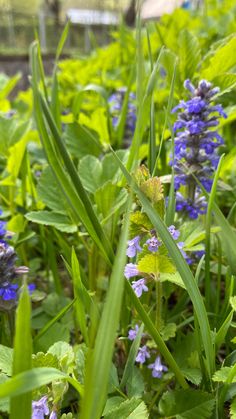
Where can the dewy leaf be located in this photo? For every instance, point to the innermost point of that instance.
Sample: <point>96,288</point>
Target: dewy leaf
<point>51,218</point>
<point>187,404</point>
<point>156,264</point>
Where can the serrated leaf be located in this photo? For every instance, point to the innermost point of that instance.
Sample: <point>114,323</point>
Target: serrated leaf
<point>132,409</point>
<point>45,360</point>
<point>192,374</point>
<point>168,331</point>
<point>189,54</point>
<point>155,264</point>
<point>51,218</point>
<point>223,374</point>
<point>139,223</point>
<point>187,404</point>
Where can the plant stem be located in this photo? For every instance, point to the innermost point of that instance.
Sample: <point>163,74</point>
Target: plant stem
<point>158,304</point>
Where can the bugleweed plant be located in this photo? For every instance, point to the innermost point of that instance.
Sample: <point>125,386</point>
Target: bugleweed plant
<point>118,194</point>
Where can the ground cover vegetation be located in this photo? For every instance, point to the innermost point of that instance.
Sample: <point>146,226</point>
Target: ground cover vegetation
<point>117,227</point>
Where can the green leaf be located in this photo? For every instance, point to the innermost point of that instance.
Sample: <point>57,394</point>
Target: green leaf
<point>156,264</point>
<point>192,374</point>
<point>109,197</point>
<point>223,374</point>
<point>174,278</point>
<point>221,61</point>
<point>20,407</point>
<point>168,331</point>
<point>187,404</point>
<point>51,218</point>
<point>45,360</point>
<point>49,192</point>
<point>233,409</point>
<point>139,223</point>
<point>6,359</point>
<point>189,54</point>
<point>81,140</point>
<point>90,171</point>
<point>132,409</point>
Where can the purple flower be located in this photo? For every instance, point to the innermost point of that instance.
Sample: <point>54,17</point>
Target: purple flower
<point>180,246</point>
<point>133,247</point>
<point>153,244</point>
<point>40,408</point>
<point>139,287</point>
<point>195,151</point>
<point>157,368</point>
<point>133,332</point>
<point>53,415</point>
<point>175,233</point>
<point>142,355</point>
<point>130,270</point>
<point>8,291</point>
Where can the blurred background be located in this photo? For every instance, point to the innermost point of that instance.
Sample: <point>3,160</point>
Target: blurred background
<point>92,24</point>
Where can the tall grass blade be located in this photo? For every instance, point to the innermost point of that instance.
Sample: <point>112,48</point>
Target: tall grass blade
<point>20,407</point>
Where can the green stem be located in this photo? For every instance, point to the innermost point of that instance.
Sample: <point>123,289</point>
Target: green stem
<point>158,304</point>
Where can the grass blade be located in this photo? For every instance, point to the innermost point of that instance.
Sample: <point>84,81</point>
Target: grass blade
<point>30,380</point>
<point>20,407</point>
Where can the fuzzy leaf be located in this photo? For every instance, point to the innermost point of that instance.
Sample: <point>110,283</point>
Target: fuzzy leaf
<point>187,404</point>
<point>192,374</point>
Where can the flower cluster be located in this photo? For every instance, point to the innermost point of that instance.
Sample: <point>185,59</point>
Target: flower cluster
<point>196,144</point>
<point>8,271</point>
<point>152,244</point>
<point>40,409</point>
<point>116,101</point>
<point>144,354</point>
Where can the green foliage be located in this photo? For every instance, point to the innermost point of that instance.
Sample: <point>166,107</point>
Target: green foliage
<point>187,404</point>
